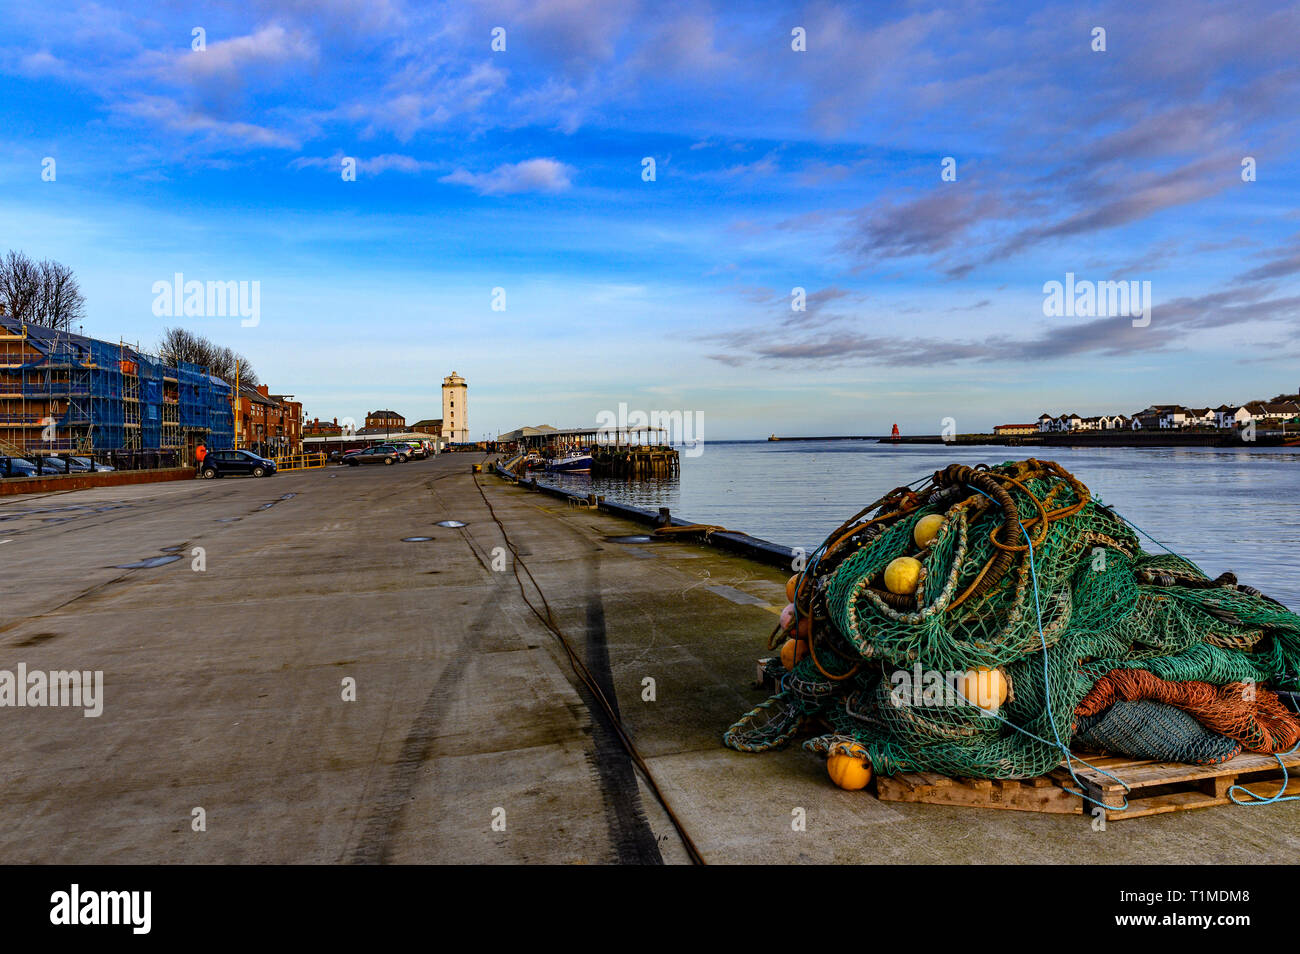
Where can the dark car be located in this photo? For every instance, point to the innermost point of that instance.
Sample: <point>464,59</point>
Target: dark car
<point>225,463</point>
<point>380,454</point>
<point>84,465</point>
<point>399,448</point>
<point>17,467</point>
<point>53,465</point>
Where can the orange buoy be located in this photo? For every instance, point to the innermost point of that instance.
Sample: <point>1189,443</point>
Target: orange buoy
<point>791,587</point>
<point>793,650</point>
<point>803,629</point>
<point>849,766</point>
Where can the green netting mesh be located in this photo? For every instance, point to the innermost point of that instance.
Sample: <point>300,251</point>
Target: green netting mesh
<point>1052,618</point>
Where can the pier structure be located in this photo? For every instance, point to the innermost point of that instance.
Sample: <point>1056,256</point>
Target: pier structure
<point>467,706</point>
<point>628,451</point>
<point>635,460</point>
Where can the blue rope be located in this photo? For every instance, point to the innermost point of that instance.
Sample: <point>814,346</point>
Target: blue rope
<point>1279,796</point>
<point>1168,550</point>
<point>810,568</point>
<point>1256,799</point>
<point>1070,757</point>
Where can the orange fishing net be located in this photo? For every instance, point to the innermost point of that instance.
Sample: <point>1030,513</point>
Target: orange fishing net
<point>1243,711</point>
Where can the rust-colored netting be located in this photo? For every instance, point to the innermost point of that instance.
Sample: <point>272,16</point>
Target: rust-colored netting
<point>1243,711</point>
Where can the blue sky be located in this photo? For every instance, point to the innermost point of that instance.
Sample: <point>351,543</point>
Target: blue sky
<point>775,169</point>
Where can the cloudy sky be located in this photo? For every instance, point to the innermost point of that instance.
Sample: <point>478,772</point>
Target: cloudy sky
<point>776,169</point>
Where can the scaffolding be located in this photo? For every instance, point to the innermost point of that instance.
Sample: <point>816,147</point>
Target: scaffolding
<point>65,392</point>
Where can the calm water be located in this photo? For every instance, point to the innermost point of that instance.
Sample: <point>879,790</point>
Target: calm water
<point>1224,509</point>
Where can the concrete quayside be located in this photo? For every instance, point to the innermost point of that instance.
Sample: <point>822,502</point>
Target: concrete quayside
<point>327,675</point>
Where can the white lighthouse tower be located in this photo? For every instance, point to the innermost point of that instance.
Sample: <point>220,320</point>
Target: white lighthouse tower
<point>455,409</point>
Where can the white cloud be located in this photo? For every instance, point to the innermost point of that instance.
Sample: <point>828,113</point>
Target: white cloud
<point>168,114</point>
<point>531,175</point>
<point>419,97</point>
<point>388,162</point>
<point>231,60</point>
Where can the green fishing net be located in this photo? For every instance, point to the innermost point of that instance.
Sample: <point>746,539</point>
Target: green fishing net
<point>1030,576</point>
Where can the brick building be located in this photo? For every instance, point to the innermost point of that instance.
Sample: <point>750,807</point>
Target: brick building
<point>269,424</point>
<point>318,428</point>
<point>430,425</point>
<point>385,421</point>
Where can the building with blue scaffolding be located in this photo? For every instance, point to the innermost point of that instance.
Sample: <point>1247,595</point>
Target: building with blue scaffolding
<point>62,392</point>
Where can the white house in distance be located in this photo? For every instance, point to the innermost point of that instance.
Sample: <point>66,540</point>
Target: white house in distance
<point>1073,422</point>
<point>1230,415</point>
<point>1275,413</point>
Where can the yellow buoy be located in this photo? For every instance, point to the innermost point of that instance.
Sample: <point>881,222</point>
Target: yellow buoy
<point>986,688</point>
<point>849,767</point>
<point>902,575</point>
<point>926,529</point>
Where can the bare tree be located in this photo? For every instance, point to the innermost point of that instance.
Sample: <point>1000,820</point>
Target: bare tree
<point>20,285</point>
<point>61,304</point>
<point>43,293</point>
<point>179,344</point>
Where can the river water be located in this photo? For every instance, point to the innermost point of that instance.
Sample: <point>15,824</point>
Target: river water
<point>1223,508</point>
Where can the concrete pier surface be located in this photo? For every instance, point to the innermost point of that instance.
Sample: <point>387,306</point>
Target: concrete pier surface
<point>225,675</point>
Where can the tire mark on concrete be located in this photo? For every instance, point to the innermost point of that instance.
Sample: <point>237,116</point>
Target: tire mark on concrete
<point>384,819</point>
<point>629,831</point>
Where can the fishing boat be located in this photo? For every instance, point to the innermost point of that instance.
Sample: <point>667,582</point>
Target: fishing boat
<point>574,462</point>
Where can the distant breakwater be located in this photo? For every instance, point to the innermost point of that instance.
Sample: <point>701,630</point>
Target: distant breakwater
<point>1170,438</point>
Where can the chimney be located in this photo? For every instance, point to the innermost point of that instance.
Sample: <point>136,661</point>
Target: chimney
<point>336,422</point>
<point>263,390</point>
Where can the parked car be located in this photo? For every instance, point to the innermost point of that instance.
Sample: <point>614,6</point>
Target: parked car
<point>418,451</point>
<point>400,449</point>
<point>52,465</point>
<point>17,467</point>
<point>223,463</point>
<point>379,454</point>
<point>84,465</point>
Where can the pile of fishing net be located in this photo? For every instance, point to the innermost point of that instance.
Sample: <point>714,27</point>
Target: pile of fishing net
<point>990,620</point>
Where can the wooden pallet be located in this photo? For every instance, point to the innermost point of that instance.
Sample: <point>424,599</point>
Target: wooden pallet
<point>1159,787</point>
<point>1042,794</point>
<point>1156,787</point>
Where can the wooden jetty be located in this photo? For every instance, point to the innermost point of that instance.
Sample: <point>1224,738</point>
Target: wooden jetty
<point>636,460</point>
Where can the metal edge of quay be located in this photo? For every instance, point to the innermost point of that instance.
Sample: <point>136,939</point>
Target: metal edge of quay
<point>741,544</point>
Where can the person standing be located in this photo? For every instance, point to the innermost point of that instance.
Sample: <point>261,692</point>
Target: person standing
<point>200,452</point>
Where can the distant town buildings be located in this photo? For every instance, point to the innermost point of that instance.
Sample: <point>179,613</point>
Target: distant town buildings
<point>270,424</point>
<point>1280,410</point>
<point>455,409</point>
<point>1013,430</point>
<point>430,425</point>
<point>318,428</point>
<point>453,426</point>
<point>379,421</point>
